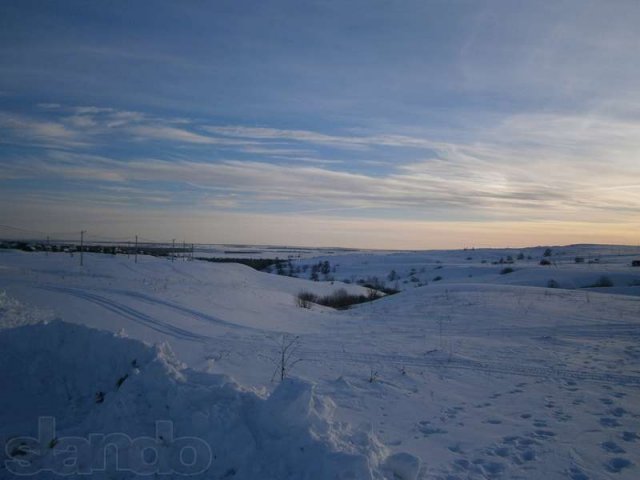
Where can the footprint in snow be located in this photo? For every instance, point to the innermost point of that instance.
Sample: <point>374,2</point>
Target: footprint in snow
<point>630,436</point>
<point>461,464</point>
<point>612,447</point>
<point>618,412</point>
<point>528,455</point>
<point>617,464</point>
<point>453,412</point>
<point>577,474</point>
<point>525,456</point>
<point>427,429</point>
<point>500,451</point>
<point>609,422</point>
<point>493,469</point>
<point>561,416</point>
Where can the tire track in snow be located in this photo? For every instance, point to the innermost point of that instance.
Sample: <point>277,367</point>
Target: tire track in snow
<point>131,314</point>
<point>182,309</point>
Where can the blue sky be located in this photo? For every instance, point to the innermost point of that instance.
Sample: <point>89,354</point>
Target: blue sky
<point>385,124</point>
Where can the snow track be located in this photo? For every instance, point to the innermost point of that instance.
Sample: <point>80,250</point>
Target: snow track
<point>130,313</point>
<point>181,309</point>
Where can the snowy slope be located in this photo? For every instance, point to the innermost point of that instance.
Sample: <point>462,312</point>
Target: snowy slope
<point>477,379</point>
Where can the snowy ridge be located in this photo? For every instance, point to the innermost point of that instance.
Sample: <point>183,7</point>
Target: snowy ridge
<point>92,381</point>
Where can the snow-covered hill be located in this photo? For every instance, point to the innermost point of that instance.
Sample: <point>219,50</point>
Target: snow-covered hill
<point>568,267</point>
<point>490,376</point>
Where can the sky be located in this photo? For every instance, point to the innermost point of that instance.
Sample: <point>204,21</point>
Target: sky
<point>392,124</point>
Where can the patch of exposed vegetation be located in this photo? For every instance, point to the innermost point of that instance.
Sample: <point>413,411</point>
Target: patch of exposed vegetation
<point>340,299</point>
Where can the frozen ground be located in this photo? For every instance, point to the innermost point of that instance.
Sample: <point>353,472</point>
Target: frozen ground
<point>488,376</point>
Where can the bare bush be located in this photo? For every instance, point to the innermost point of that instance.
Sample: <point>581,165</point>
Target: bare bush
<point>603,281</point>
<point>304,299</point>
<point>340,299</point>
<point>286,355</point>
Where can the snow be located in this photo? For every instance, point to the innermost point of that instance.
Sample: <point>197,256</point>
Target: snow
<point>415,269</point>
<point>488,376</point>
<point>60,370</point>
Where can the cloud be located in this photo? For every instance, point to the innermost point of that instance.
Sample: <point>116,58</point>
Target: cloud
<point>170,134</point>
<point>49,106</point>
<point>306,136</point>
<point>92,109</point>
<point>460,187</point>
<point>122,220</point>
<point>19,129</point>
<point>82,126</point>
<point>536,167</point>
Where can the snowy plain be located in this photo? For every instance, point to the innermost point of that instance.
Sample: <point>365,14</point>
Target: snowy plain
<point>479,374</point>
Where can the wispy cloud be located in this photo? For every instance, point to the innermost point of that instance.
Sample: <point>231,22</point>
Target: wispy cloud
<point>171,134</point>
<point>355,142</point>
<point>524,167</point>
<point>23,130</point>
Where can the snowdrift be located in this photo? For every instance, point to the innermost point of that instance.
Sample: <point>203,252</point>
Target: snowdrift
<point>130,408</point>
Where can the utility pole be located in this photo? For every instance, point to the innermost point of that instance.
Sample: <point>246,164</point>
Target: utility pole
<point>184,250</point>
<point>48,246</point>
<point>173,249</point>
<point>82,232</point>
<point>136,252</point>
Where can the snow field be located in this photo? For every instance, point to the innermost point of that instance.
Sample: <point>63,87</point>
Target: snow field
<point>476,377</point>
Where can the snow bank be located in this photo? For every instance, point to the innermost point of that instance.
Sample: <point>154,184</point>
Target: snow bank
<point>14,313</point>
<point>161,417</point>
